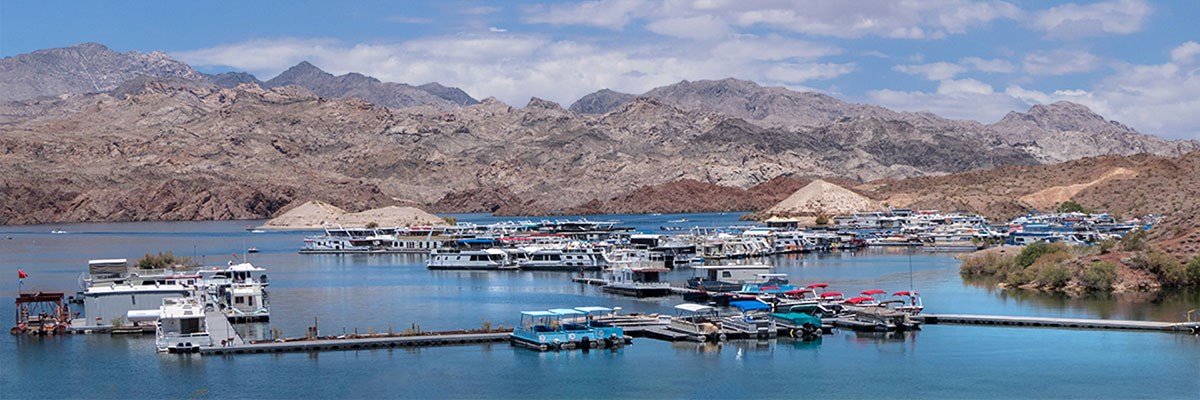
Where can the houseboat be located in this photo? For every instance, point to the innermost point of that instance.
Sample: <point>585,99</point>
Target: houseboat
<point>726,278</point>
<point>564,259</point>
<point>633,279</point>
<point>454,259</point>
<point>237,293</point>
<point>181,327</point>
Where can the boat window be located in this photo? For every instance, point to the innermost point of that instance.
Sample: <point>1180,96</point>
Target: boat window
<point>189,325</point>
<point>726,274</point>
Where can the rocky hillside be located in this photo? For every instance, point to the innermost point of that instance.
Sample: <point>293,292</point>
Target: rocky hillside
<point>225,146</point>
<point>1050,133</point>
<point>84,68</point>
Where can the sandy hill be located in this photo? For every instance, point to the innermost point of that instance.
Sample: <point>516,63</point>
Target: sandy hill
<point>319,214</point>
<point>823,198</point>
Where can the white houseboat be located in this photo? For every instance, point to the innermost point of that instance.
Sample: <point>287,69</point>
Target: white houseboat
<point>181,327</point>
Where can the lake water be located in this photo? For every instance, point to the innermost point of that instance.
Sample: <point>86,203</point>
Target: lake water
<point>378,292</point>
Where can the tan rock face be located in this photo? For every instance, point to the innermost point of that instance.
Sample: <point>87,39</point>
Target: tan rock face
<point>823,198</point>
<point>319,214</point>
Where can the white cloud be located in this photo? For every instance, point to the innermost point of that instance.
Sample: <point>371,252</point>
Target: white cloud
<point>1186,53</point>
<point>514,67</point>
<point>934,71</point>
<point>698,27</point>
<point>494,29</point>
<point>1158,99</point>
<point>886,18</point>
<point>963,86</point>
<point>1110,17</point>
<point>1059,62</point>
<point>993,65</point>
<point>612,14</point>
<point>403,19</point>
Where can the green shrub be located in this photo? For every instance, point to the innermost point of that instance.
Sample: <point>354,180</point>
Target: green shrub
<point>1193,272</point>
<point>162,260</point>
<point>988,264</point>
<point>1099,276</point>
<point>1032,252</point>
<point>1134,241</point>
<point>1169,270</point>
<point>1054,275</point>
<point>1019,277</point>
<point>1105,246</point>
<point>822,220</point>
<point>1071,206</point>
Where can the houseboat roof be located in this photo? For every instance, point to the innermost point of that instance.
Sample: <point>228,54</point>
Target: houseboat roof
<point>108,261</point>
<point>695,308</point>
<point>720,267</point>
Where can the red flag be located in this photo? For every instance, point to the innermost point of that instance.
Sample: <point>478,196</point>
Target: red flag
<point>21,274</point>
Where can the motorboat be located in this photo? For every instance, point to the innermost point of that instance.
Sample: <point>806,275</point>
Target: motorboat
<point>754,319</point>
<point>727,278</point>
<point>564,259</point>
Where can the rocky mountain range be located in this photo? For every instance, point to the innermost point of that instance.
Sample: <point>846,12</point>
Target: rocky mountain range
<point>193,146</point>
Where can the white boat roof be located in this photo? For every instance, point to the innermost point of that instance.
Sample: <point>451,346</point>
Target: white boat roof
<point>109,261</point>
<point>759,266</point>
<point>180,308</point>
<point>127,288</point>
<point>593,309</point>
<point>566,311</point>
<point>692,307</point>
<point>244,267</point>
<point>539,313</point>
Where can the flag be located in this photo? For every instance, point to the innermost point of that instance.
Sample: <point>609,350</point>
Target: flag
<point>21,274</point>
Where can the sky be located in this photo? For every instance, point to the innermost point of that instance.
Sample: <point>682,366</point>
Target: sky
<point>1134,61</point>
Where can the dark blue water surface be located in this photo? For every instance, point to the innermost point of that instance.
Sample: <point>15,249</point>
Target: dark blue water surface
<point>382,292</point>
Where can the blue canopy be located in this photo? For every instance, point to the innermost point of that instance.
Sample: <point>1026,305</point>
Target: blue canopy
<point>750,305</point>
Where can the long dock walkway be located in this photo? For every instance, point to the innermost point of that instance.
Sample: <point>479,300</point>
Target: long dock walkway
<point>357,343</point>
<point>221,330</point>
<point>1050,322</point>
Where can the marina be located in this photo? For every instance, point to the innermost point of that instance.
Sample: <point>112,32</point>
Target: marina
<point>347,293</point>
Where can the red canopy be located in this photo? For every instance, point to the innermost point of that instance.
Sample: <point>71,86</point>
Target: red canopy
<point>21,274</point>
<point>818,285</point>
<point>796,291</point>
<point>769,288</point>
<point>904,293</point>
<point>831,294</point>
<point>857,300</point>
<point>873,292</point>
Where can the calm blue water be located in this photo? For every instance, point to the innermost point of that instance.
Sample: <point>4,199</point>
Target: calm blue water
<point>348,292</point>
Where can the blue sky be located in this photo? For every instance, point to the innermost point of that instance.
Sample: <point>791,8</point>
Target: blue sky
<point>1130,60</point>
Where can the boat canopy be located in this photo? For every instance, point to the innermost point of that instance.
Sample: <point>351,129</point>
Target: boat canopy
<point>566,311</point>
<point>860,299</point>
<point>539,314</point>
<point>905,293</point>
<point>695,308</point>
<point>593,309</point>
<point>831,294</point>
<point>873,292</point>
<point>794,292</point>
<point>750,305</point>
<point>818,285</point>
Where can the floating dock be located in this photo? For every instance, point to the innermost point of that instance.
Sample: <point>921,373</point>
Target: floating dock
<point>1069,323</point>
<point>363,343</point>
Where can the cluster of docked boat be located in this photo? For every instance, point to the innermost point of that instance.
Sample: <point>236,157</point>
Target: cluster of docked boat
<point>175,302</point>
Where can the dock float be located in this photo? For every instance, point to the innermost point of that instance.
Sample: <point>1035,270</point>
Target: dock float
<point>365,343</point>
<point>1069,323</point>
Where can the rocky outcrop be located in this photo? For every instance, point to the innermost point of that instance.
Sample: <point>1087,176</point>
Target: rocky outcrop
<point>232,79</point>
<point>452,94</point>
<point>83,68</point>
<point>603,101</point>
<point>1065,131</point>
<point>358,86</point>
